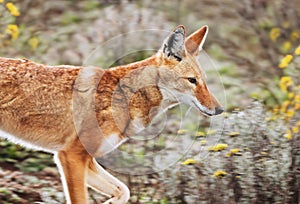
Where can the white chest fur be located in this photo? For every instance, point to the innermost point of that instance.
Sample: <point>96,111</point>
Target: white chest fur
<point>138,125</point>
<point>110,143</point>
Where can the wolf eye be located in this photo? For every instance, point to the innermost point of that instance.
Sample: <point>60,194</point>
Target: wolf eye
<point>192,80</point>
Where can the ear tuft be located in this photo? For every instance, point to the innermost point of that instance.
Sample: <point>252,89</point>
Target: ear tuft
<point>174,44</point>
<point>195,41</point>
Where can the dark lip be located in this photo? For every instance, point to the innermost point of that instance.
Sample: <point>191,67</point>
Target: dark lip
<point>204,113</point>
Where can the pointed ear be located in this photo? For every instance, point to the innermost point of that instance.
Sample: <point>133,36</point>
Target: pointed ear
<point>195,41</point>
<point>174,44</point>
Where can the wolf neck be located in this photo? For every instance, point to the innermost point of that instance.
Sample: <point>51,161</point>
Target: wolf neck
<point>124,69</point>
<point>136,97</point>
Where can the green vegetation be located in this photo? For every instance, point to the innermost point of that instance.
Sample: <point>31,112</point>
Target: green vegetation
<point>252,154</point>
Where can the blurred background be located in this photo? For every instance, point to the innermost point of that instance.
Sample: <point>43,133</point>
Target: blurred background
<point>250,154</point>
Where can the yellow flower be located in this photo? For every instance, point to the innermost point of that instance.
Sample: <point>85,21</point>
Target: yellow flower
<point>297,98</point>
<point>290,113</point>
<point>181,132</point>
<point>200,134</point>
<point>297,106</point>
<point>12,9</point>
<point>203,142</point>
<point>285,61</point>
<point>288,135</point>
<point>217,147</point>
<point>295,129</point>
<point>297,50</point>
<point>284,106</point>
<point>234,151</point>
<point>298,123</point>
<point>272,118</point>
<point>225,114</point>
<point>286,46</point>
<point>233,134</point>
<point>263,153</point>
<point>12,30</point>
<point>33,42</point>
<point>1,1</point>
<point>297,102</point>
<point>219,174</point>
<point>294,36</point>
<point>274,34</point>
<point>189,161</point>
<point>291,95</point>
<point>211,132</point>
<point>275,110</point>
<point>228,154</point>
<point>285,82</point>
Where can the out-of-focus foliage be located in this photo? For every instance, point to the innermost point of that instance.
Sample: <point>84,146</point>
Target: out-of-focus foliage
<point>257,46</point>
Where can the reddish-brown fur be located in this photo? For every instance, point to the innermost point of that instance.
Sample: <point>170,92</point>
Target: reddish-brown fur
<point>75,112</point>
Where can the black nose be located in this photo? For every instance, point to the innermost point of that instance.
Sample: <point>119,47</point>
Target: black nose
<point>218,110</point>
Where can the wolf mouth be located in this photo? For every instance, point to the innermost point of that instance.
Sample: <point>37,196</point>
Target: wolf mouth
<point>206,113</point>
